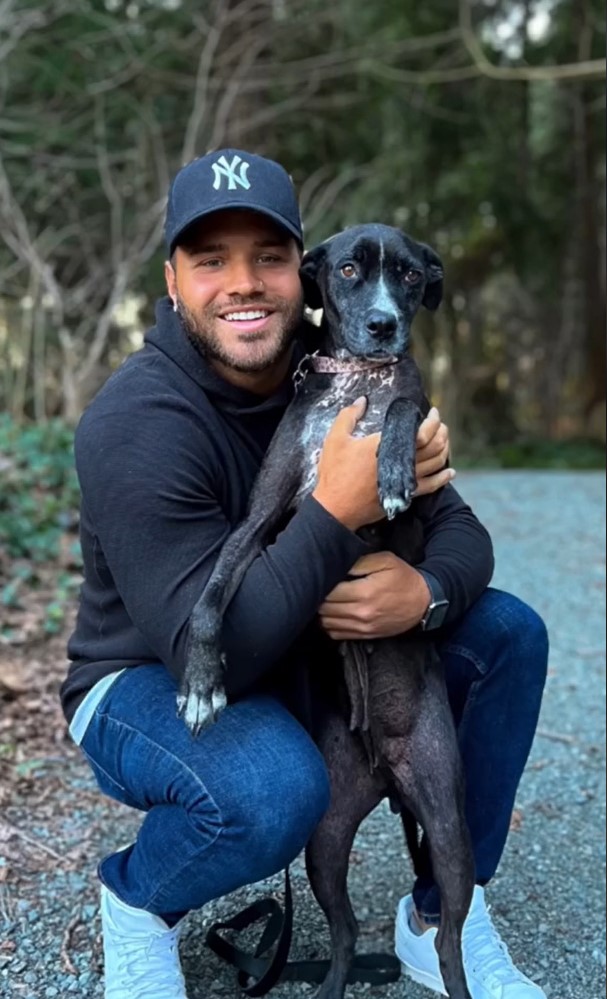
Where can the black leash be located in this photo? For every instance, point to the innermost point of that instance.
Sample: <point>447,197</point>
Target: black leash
<point>257,974</point>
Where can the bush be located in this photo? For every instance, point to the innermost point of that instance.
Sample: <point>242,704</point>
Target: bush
<point>40,496</point>
<point>579,454</point>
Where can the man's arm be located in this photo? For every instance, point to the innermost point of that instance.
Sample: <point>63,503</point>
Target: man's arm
<point>151,490</point>
<point>458,550</point>
<point>391,597</point>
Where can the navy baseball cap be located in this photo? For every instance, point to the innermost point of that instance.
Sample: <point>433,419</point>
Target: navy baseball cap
<point>231,178</point>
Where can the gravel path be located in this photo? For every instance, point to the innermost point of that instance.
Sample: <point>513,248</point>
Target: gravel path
<point>548,898</point>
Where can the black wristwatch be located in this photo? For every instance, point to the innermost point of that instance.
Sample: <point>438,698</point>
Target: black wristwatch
<point>436,611</point>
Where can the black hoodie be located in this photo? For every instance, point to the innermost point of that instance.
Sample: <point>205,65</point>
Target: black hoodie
<point>166,456</point>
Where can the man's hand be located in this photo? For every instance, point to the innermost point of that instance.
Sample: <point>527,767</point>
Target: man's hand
<point>432,455</point>
<point>347,471</point>
<point>388,598</point>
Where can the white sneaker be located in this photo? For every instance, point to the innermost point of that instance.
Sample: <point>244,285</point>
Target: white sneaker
<point>140,952</point>
<point>490,973</point>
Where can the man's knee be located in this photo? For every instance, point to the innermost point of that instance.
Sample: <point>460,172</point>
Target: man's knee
<point>274,794</point>
<point>499,633</point>
<point>302,798</point>
<point>519,624</point>
<point>519,632</point>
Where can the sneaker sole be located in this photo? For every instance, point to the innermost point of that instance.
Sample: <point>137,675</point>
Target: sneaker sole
<point>423,979</point>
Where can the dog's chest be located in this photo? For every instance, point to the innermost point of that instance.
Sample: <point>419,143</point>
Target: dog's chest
<point>379,389</point>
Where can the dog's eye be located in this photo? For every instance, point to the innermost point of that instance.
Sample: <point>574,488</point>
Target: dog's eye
<point>348,270</point>
<point>413,277</point>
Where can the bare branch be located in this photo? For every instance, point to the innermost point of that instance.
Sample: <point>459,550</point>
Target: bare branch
<point>587,69</point>
<point>277,111</point>
<point>130,71</point>
<point>234,90</point>
<point>301,68</point>
<point>119,286</point>
<point>309,188</point>
<point>329,195</point>
<point>14,27</point>
<point>107,184</point>
<point>201,89</point>
<point>16,234</point>
<point>422,77</point>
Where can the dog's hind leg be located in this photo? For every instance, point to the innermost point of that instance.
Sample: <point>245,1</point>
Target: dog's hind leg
<point>428,776</point>
<point>354,793</point>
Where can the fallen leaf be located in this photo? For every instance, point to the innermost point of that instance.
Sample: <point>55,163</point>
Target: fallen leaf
<point>516,820</point>
<point>12,683</point>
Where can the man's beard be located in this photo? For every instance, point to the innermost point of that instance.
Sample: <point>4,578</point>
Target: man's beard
<point>199,328</point>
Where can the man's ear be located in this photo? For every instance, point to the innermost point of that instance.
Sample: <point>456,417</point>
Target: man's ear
<point>171,280</point>
<point>434,278</point>
<point>309,272</point>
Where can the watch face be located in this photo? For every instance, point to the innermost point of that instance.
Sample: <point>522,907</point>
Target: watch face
<point>435,615</point>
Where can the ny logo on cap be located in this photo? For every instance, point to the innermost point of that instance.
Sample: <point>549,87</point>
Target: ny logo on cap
<point>223,169</point>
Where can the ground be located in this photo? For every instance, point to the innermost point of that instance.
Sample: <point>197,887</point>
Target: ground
<point>548,897</point>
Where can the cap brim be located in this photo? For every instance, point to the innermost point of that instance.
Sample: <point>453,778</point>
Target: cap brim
<point>241,206</point>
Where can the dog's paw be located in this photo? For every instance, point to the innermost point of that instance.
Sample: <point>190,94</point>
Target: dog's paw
<point>396,504</point>
<point>396,489</point>
<point>201,697</point>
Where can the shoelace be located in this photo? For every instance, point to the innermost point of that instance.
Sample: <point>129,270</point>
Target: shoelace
<point>487,952</point>
<point>157,961</point>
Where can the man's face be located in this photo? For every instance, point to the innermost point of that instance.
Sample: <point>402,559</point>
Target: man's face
<point>235,280</point>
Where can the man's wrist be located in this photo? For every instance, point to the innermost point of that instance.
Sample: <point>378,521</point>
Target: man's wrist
<point>438,605</point>
<point>345,518</point>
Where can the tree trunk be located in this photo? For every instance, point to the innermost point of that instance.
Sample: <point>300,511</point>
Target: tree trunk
<point>588,202</point>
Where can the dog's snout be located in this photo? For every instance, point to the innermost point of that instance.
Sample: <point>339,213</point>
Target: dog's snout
<point>381,324</point>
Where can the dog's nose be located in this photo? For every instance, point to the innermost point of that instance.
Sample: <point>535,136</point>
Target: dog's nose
<point>381,324</point>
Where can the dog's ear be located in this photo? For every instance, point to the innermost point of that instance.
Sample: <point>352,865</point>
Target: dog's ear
<point>308,273</point>
<point>434,278</point>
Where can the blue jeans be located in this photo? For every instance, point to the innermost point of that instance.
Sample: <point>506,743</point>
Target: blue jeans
<point>240,802</point>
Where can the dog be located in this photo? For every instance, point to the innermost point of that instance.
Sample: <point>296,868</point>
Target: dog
<point>390,731</point>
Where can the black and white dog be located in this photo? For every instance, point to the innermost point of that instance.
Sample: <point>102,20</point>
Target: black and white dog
<point>396,737</point>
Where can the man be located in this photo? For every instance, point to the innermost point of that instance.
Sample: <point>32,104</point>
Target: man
<point>166,455</point>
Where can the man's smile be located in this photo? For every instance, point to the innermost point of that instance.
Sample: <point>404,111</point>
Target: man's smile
<point>247,320</point>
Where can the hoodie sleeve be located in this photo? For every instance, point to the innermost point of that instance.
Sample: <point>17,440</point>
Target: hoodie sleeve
<point>458,549</point>
<point>151,490</point>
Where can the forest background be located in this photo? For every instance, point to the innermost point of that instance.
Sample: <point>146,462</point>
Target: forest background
<point>477,126</point>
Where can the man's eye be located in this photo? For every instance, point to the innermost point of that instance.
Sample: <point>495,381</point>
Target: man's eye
<point>270,258</point>
<point>348,270</point>
<point>413,277</point>
<point>211,262</point>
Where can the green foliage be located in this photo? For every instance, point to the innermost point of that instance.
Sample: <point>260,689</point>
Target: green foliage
<point>579,455</point>
<point>39,497</point>
<point>39,502</point>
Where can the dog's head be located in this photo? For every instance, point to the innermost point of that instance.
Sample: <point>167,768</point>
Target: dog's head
<point>371,280</point>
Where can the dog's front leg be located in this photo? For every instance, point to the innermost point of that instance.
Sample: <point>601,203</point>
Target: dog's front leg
<point>396,456</point>
<point>201,695</point>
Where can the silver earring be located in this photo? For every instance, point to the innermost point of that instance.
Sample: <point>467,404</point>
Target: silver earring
<point>174,306</point>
